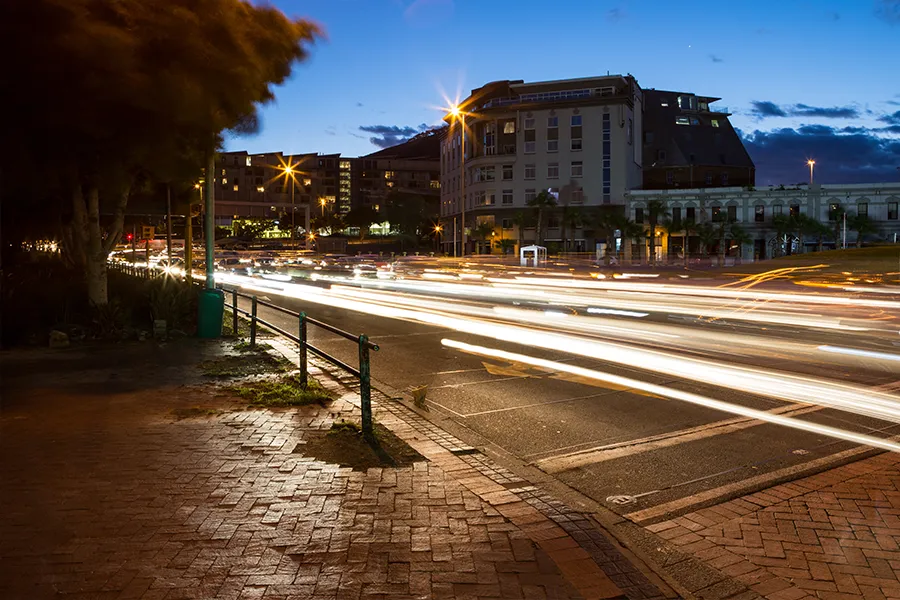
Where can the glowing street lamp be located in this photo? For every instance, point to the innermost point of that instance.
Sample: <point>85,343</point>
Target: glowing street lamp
<point>812,165</point>
<point>437,236</point>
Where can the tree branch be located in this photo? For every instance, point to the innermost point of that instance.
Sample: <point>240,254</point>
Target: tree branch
<point>115,231</point>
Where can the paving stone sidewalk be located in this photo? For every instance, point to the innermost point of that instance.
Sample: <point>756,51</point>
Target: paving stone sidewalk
<point>831,536</point>
<point>105,494</point>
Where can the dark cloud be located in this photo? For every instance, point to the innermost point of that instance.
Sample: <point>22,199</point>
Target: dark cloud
<point>848,155</point>
<point>763,109</point>
<point>888,10</point>
<point>391,135</point>
<point>615,14</point>
<point>715,58</point>
<point>893,119</point>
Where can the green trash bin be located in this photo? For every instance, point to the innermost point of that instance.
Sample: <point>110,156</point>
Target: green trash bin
<point>210,310</point>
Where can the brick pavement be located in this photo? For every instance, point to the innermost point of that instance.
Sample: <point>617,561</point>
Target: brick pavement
<point>106,495</point>
<point>831,536</point>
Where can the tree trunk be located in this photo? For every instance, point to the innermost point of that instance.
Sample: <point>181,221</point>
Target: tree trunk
<point>537,230</point>
<point>685,249</point>
<point>652,256</point>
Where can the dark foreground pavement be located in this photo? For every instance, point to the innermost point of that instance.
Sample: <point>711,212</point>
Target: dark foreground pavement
<point>107,493</point>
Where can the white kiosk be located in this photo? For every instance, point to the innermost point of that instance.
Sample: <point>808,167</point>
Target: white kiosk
<point>532,256</point>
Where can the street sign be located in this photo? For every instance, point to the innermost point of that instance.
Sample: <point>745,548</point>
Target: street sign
<point>148,233</point>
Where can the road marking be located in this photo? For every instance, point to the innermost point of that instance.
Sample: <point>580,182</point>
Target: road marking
<point>509,408</point>
<point>590,456</point>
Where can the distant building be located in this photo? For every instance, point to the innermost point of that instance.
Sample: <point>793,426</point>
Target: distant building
<point>755,211</point>
<point>688,143</point>
<point>412,167</point>
<point>578,138</point>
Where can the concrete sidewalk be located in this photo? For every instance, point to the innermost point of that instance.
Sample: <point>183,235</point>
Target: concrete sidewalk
<point>106,494</point>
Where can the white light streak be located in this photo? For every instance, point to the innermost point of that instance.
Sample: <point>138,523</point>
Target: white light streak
<point>862,353</point>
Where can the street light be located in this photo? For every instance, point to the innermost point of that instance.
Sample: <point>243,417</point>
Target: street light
<point>460,117</point>
<point>437,236</point>
<point>812,165</point>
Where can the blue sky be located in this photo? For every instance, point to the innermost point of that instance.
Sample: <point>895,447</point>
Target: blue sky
<point>803,78</point>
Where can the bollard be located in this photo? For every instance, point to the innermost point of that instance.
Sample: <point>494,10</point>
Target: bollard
<point>252,321</point>
<point>365,387</point>
<point>301,351</point>
<point>234,312</point>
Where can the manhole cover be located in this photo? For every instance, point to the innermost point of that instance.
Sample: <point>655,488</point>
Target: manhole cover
<point>621,500</point>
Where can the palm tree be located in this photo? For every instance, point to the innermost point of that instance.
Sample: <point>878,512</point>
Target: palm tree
<point>821,231</point>
<point>540,203</point>
<point>740,236</point>
<point>484,231</point>
<point>607,222</point>
<point>656,209</point>
<point>572,217</point>
<point>802,224</point>
<point>783,226</point>
<point>670,228</point>
<point>837,215</point>
<point>707,234</point>
<point>519,220</point>
<point>722,233</point>
<point>629,230</point>
<point>689,226</point>
<point>863,227</point>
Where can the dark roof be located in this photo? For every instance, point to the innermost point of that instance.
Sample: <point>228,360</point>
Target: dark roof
<point>425,146</point>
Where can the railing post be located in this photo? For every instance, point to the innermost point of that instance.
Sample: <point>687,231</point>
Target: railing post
<point>234,312</point>
<point>252,321</point>
<point>365,387</point>
<point>301,351</point>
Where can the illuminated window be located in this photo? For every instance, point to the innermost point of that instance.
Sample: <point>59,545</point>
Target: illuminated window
<point>307,182</point>
<point>224,181</point>
<point>682,121</point>
<point>390,184</point>
<point>577,168</point>
<point>509,127</point>
<point>530,171</point>
<point>388,174</point>
<point>235,187</point>
<point>260,189</point>
<point>249,161</point>
<point>435,184</point>
<point>714,122</point>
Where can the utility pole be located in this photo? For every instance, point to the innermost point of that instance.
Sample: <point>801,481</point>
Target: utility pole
<point>169,225</point>
<point>210,224</point>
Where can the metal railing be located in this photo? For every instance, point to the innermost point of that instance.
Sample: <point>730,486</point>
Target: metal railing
<point>363,373</point>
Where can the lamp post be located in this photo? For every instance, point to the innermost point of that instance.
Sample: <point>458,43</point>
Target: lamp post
<point>437,237</point>
<point>460,117</point>
<point>812,165</point>
<point>289,172</point>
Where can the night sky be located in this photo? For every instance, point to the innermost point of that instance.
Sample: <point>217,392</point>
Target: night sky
<point>804,79</point>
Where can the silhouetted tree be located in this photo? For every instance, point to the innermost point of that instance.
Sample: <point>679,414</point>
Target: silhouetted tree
<point>541,203</point>
<point>362,217</point>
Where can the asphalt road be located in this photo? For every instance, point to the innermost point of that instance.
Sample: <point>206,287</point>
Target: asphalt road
<point>631,449</point>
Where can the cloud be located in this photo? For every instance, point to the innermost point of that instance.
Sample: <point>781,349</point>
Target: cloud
<point>428,13</point>
<point>893,119</point>
<point>359,105</point>
<point>848,155</point>
<point>331,130</point>
<point>763,109</point>
<point>715,58</point>
<point>615,14</point>
<point>391,135</point>
<point>888,10</point>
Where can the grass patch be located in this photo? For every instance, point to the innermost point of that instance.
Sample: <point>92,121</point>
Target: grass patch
<point>244,346</point>
<point>195,412</point>
<point>244,365</point>
<point>344,426</point>
<point>283,391</point>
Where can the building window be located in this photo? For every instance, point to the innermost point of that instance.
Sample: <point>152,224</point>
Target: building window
<point>759,213</point>
<point>388,174</point>
<point>709,179</point>
<point>724,178</point>
<point>682,121</point>
<point>489,198</point>
<point>795,210</point>
<point>577,168</point>
<point>670,177</point>
<point>575,121</point>
<point>691,214</point>
<point>833,211</point>
<point>506,224</point>
<point>507,172</point>
<point>648,137</point>
<point>249,161</point>
<point>777,210</point>
<point>732,213</point>
<point>507,197</point>
<point>530,195</point>
<point>509,127</point>
<point>607,158</point>
<point>553,171</point>
<point>260,189</point>
<point>435,184</point>
<point>862,209</point>
<point>224,181</point>
<point>530,143</point>
<point>552,145</point>
<point>576,145</point>
<point>714,122</point>
<point>552,121</point>
<point>676,215</point>
<point>578,195</point>
<point>490,139</point>
<point>235,187</point>
<point>638,215</point>
<point>487,174</point>
<point>660,155</point>
<point>892,211</point>
<point>718,215</point>
<point>553,222</point>
<point>529,123</point>
<point>530,171</point>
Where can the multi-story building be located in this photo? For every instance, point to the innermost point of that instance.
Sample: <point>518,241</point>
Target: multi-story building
<point>411,167</point>
<point>578,138</point>
<point>688,142</point>
<point>755,211</point>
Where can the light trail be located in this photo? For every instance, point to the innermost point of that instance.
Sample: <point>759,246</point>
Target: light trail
<point>862,353</point>
<point>666,392</point>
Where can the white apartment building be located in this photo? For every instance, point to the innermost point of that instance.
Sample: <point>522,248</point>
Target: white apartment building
<point>578,138</point>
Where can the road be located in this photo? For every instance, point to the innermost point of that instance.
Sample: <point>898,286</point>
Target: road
<point>642,395</point>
